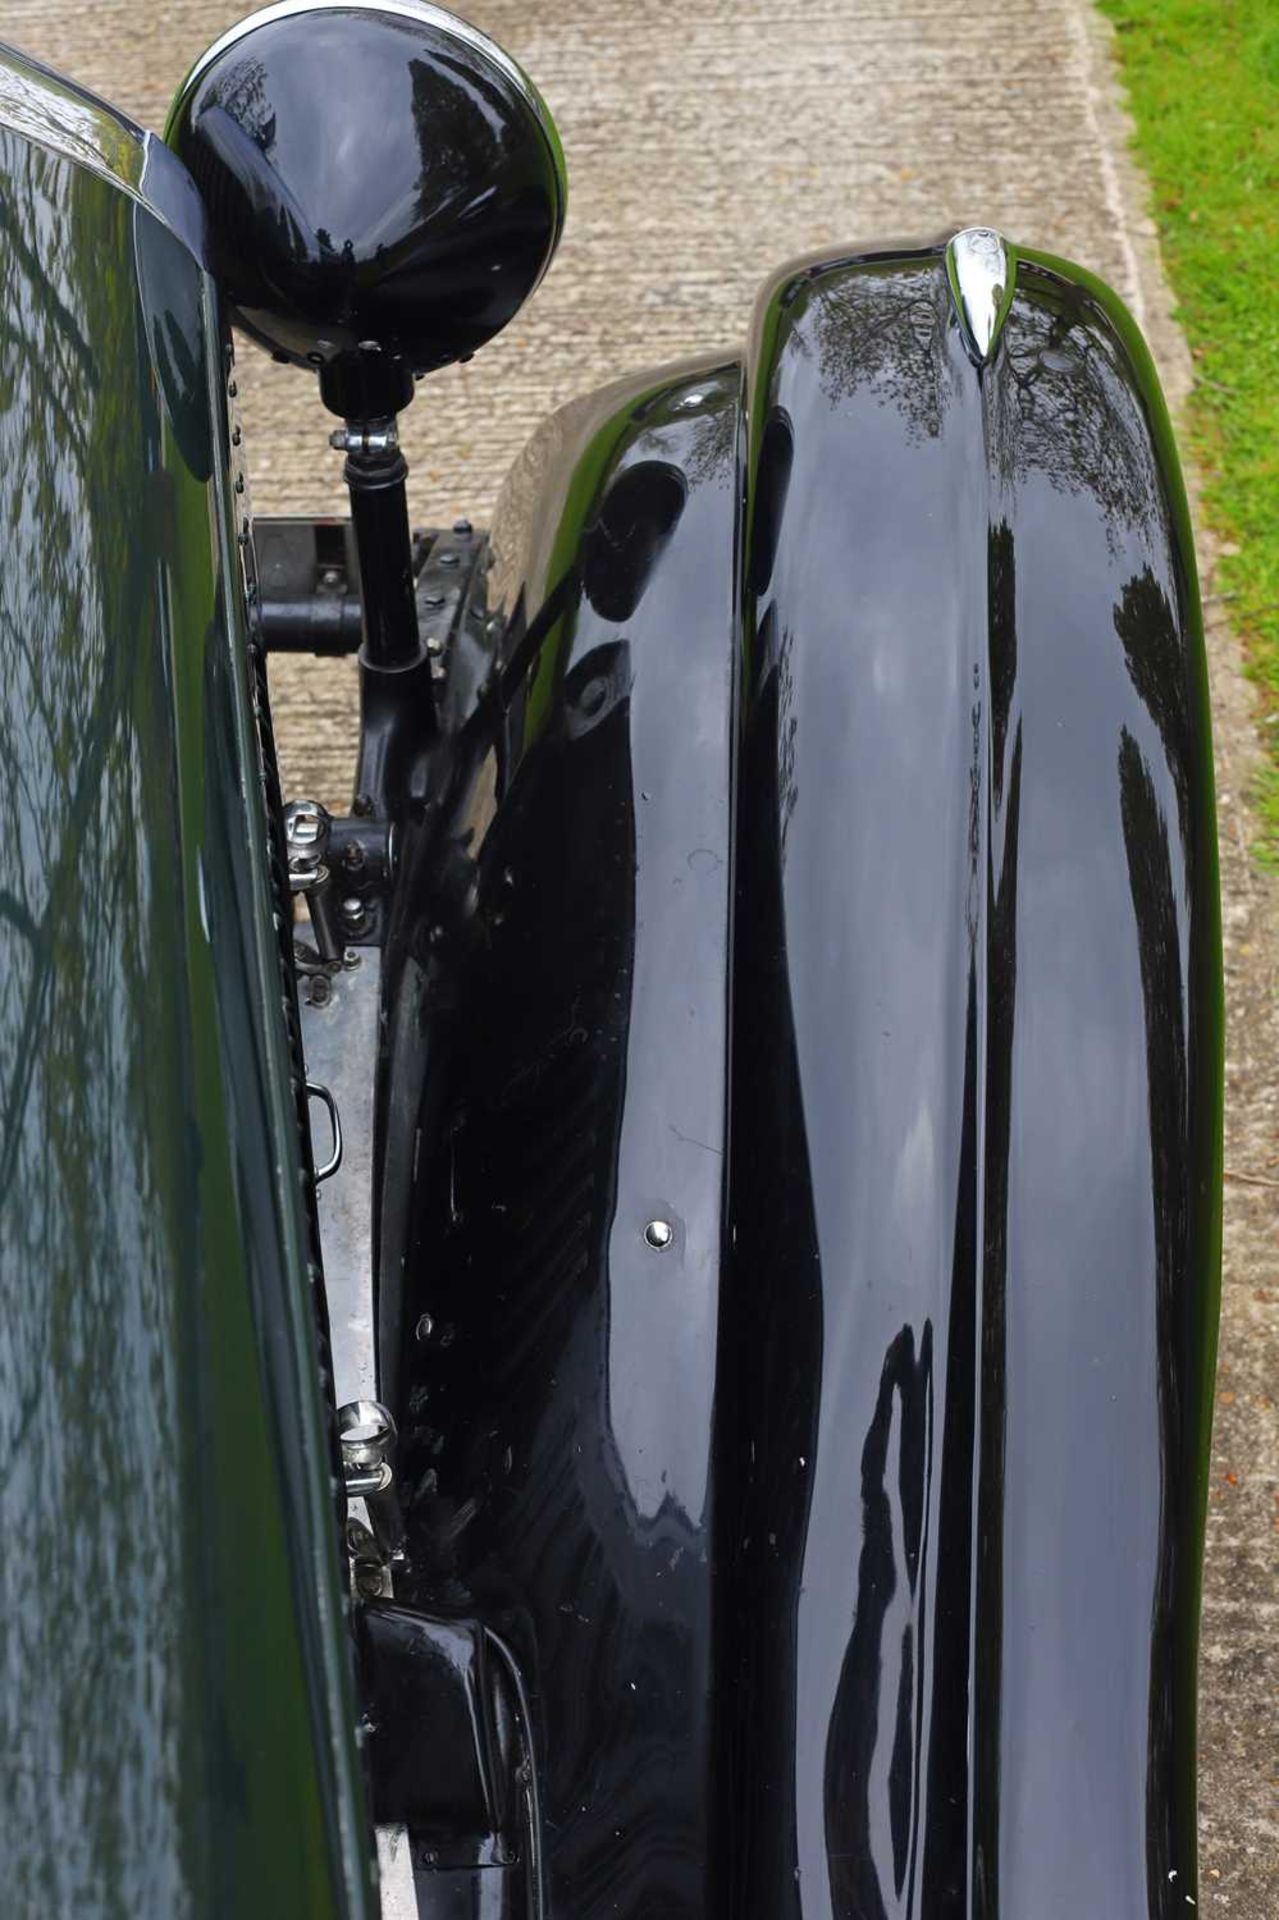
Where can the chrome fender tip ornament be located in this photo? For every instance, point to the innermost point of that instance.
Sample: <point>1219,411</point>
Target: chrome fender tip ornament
<point>982,270</point>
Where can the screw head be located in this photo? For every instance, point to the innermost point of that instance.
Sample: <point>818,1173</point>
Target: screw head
<point>360,1543</point>
<point>659,1234</point>
<point>354,917</point>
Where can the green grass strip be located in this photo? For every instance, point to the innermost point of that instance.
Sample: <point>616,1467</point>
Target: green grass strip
<point>1203,84</point>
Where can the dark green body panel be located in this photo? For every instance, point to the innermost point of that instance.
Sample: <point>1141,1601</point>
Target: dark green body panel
<point>175,1714</point>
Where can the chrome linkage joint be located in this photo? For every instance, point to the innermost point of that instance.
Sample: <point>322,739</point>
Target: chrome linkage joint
<point>307,827</point>
<point>366,1433</point>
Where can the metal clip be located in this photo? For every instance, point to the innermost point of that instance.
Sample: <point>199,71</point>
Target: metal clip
<point>366,436</point>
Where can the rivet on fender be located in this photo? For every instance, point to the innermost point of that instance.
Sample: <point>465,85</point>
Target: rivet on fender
<point>982,271</point>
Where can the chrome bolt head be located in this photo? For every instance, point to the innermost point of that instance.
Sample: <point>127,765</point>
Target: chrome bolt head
<point>659,1234</point>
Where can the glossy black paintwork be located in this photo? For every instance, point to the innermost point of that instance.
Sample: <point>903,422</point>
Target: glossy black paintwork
<point>852,1554</point>
<point>441,1729</point>
<point>371,177</point>
<point>175,1707</point>
<point>970,1312</point>
<point>556,1419</point>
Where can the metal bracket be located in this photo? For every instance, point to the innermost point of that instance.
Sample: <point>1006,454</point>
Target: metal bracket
<point>445,563</point>
<point>451,1756</point>
<point>308,586</point>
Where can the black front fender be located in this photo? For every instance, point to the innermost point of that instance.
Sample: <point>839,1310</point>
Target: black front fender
<point>846,915</point>
<point>970,1323</point>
